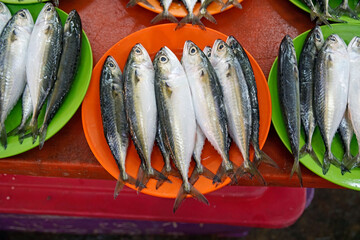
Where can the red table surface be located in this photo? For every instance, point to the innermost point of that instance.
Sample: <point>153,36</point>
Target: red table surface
<point>259,26</point>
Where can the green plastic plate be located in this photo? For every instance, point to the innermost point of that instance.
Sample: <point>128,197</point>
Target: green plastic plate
<point>349,180</point>
<point>333,3</point>
<point>23,1</point>
<point>71,102</point>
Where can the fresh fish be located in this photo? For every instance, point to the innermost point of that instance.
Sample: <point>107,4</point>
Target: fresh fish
<point>346,131</point>
<point>190,17</point>
<point>27,110</point>
<point>5,15</point>
<point>312,46</point>
<point>114,118</point>
<point>207,51</point>
<point>331,88</point>
<point>325,8</point>
<point>14,41</point>
<point>237,101</point>
<point>315,12</point>
<point>236,3</point>
<point>208,104</point>
<point>289,97</point>
<point>248,72</point>
<point>43,59</point>
<point>132,3</point>
<point>141,112</point>
<point>353,98</point>
<point>165,14</point>
<point>344,9</point>
<point>68,66</point>
<point>203,12</point>
<point>177,117</point>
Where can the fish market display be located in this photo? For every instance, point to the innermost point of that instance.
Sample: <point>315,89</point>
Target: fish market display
<point>114,118</point>
<point>353,98</point>
<point>5,16</point>
<point>177,117</point>
<point>331,82</point>
<point>42,60</point>
<point>289,97</point>
<point>312,46</point>
<point>209,104</point>
<point>141,110</point>
<point>68,66</point>
<point>191,17</point>
<point>14,41</point>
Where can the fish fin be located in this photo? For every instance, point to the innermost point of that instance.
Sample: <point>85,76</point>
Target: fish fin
<point>164,16</point>
<point>132,3</point>
<point>190,18</point>
<point>42,135</point>
<point>166,173</point>
<point>120,184</point>
<point>349,163</point>
<point>309,150</point>
<point>207,15</point>
<point>225,170</point>
<point>262,157</point>
<point>229,2</point>
<point>296,168</point>
<point>140,177</point>
<point>250,168</point>
<point>145,177</point>
<point>14,132</point>
<point>3,136</point>
<point>220,2</point>
<point>204,172</point>
<point>329,158</point>
<point>33,127</point>
<point>340,10</point>
<point>183,193</point>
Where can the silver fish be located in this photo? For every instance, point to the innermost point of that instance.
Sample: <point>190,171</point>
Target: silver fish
<point>289,97</point>
<point>312,46</point>
<point>177,117</point>
<point>165,14</point>
<point>353,98</point>
<point>68,66</point>
<point>190,17</point>
<point>114,118</point>
<point>237,101</point>
<point>346,131</point>
<point>331,85</point>
<point>5,15</point>
<point>208,104</point>
<point>43,59</point>
<point>14,41</point>
<point>141,111</point>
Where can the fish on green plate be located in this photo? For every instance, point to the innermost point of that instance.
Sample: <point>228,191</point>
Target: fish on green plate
<point>335,8</point>
<point>23,1</point>
<point>349,180</point>
<point>72,101</point>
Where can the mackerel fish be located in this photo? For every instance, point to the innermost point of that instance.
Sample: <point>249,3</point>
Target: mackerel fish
<point>5,15</point>
<point>165,14</point>
<point>190,17</point>
<point>346,132</point>
<point>14,41</point>
<point>177,118</point>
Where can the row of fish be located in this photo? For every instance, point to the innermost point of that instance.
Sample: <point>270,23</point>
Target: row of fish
<point>321,90</point>
<point>180,104</point>
<point>322,10</point>
<point>189,5</point>
<point>38,62</point>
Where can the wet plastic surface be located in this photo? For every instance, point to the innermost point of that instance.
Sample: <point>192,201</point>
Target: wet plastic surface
<point>259,26</point>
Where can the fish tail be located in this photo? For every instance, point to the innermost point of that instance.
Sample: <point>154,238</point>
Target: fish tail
<point>3,135</point>
<point>132,3</point>
<point>229,2</point>
<point>307,149</point>
<point>204,13</point>
<point>226,169</point>
<point>121,183</point>
<point>144,177</point>
<point>349,163</point>
<point>165,15</point>
<point>42,135</point>
<point>261,157</point>
<point>296,168</point>
<point>33,127</point>
<point>190,18</point>
<point>201,170</point>
<point>329,158</point>
<point>249,167</point>
<point>14,132</point>
<point>185,189</point>
<point>167,172</point>
<point>341,10</point>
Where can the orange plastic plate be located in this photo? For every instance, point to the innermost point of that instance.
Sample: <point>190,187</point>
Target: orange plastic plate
<point>153,38</point>
<point>178,9</point>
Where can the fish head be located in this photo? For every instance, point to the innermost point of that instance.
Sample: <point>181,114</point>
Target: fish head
<point>354,45</point>
<point>334,43</point>
<point>192,55</point>
<point>72,22</point>
<point>2,8</point>
<point>288,49</point>
<point>207,51</point>
<point>111,66</point>
<point>23,18</point>
<point>318,37</point>
<point>47,13</point>
<point>220,52</point>
<point>140,56</point>
<point>231,41</point>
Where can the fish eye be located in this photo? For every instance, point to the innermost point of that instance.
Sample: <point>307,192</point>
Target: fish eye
<point>48,9</point>
<point>163,59</point>
<point>137,50</point>
<point>209,54</point>
<point>192,50</point>
<point>22,14</point>
<point>333,38</point>
<point>317,36</point>
<point>111,64</point>
<point>221,46</point>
